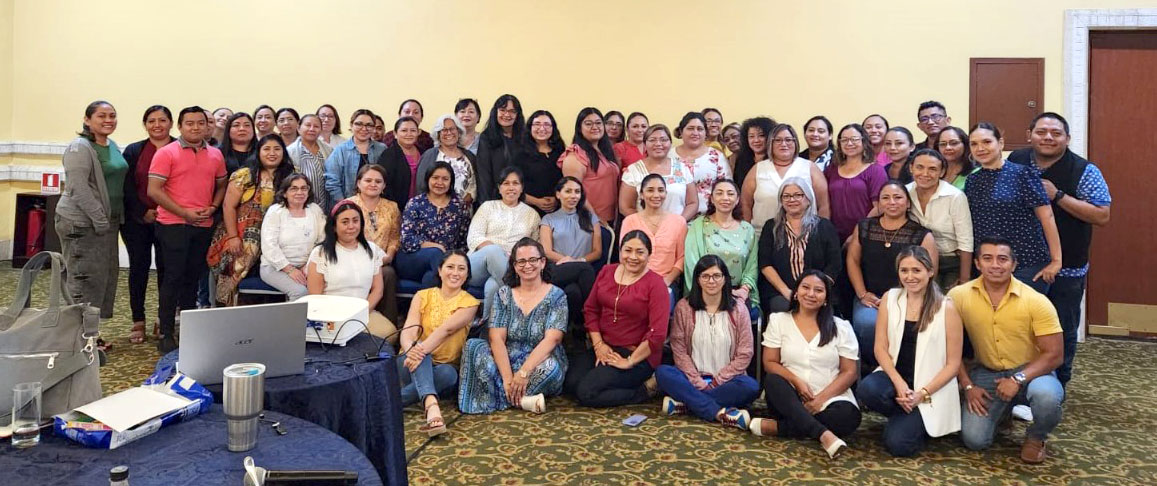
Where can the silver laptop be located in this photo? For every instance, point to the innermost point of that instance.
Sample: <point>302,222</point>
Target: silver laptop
<point>270,334</point>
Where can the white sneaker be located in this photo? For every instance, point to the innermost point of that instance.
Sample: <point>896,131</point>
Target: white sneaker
<point>1022,412</point>
<point>534,403</point>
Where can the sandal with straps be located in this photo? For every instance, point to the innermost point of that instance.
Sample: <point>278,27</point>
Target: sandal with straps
<point>435,425</point>
<point>137,334</point>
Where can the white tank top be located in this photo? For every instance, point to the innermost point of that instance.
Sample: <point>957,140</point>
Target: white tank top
<point>767,182</point>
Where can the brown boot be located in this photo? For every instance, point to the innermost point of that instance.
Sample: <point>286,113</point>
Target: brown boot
<point>1033,451</point>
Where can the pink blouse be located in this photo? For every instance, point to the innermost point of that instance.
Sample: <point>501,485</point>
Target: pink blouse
<point>601,186</point>
<point>666,243</point>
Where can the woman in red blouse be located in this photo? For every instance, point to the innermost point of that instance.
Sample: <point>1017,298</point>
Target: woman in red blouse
<point>626,317</point>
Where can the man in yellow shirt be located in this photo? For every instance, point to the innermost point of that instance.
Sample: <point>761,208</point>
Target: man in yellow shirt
<point>1017,340</point>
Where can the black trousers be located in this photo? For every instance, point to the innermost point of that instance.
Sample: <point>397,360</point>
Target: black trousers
<point>840,417</point>
<point>576,279</point>
<point>183,250</point>
<point>140,239</point>
<point>606,386</point>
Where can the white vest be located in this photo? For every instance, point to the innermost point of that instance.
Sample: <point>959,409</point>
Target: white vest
<point>942,415</point>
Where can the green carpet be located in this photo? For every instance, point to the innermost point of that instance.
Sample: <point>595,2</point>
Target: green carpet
<point>1106,437</point>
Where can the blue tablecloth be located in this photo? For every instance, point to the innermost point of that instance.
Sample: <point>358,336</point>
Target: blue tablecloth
<point>188,453</point>
<point>356,400</point>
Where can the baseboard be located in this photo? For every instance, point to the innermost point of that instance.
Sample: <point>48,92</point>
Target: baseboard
<point>5,249</point>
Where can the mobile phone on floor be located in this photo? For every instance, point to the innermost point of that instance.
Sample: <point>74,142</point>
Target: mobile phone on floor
<point>634,420</point>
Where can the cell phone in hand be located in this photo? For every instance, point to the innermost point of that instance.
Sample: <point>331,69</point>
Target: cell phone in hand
<point>707,379</point>
<point>634,420</point>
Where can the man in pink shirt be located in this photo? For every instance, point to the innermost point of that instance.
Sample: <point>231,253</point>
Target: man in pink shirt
<point>187,180</point>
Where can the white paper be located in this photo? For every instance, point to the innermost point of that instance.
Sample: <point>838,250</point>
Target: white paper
<point>128,408</point>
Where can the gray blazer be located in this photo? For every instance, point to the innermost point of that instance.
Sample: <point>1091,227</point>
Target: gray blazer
<point>84,200</point>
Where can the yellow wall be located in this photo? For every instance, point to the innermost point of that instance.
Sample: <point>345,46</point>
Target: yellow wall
<point>787,58</point>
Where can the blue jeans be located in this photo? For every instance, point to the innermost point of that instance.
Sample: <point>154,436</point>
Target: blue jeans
<point>420,266</point>
<point>1065,294</point>
<point>1025,274</point>
<point>737,392</point>
<point>1044,395</point>
<point>487,267</point>
<point>864,324</point>
<point>904,434</point>
<point>427,379</point>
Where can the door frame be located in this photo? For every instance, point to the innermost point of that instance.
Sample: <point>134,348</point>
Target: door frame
<point>1078,23</point>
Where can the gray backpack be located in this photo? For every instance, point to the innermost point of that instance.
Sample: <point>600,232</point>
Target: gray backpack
<point>54,346</point>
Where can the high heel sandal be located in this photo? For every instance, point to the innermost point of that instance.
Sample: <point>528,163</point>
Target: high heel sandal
<point>137,334</point>
<point>435,425</point>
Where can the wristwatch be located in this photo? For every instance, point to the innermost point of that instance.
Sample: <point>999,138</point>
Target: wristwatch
<point>1057,197</point>
<point>1019,378</point>
<point>522,374</point>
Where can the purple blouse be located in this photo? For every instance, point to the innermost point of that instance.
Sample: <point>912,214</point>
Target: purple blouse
<point>851,198</point>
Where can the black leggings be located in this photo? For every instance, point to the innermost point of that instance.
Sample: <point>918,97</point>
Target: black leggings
<point>139,243</point>
<point>576,279</point>
<point>606,386</point>
<point>840,417</point>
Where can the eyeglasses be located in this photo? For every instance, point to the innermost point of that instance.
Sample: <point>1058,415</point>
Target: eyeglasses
<point>542,125</point>
<point>363,125</point>
<point>715,121</point>
<point>935,117</point>
<point>522,262</point>
<point>298,189</point>
<point>851,141</point>
<point>658,140</point>
<point>711,277</point>
<point>949,143</point>
<point>326,117</point>
<point>783,141</point>
<point>793,197</point>
<point>592,124</point>
<point>615,124</point>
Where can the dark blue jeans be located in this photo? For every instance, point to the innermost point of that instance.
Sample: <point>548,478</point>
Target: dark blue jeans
<point>1065,294</point>
<point>904,434</point>
<point>737,392</point>
<point>1025,274</point>
<point>420,266</point>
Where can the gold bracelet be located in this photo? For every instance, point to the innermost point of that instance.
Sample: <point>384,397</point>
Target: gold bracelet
<point>927,396</point>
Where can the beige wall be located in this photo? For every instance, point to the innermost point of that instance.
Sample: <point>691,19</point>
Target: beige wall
<point>787,58</point>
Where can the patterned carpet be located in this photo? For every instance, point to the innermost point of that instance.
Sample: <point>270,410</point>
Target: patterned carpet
<point>1106,437</point>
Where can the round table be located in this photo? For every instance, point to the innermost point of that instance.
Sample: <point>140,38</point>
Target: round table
<point>192,452</point>
<point>343,393</point>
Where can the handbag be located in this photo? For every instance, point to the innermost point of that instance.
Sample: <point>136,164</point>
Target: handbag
<point>55,346</point>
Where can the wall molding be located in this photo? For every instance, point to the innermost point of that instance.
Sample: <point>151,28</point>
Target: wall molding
<point>1076,59</point>
<point>26,173</point>
<point>32,148</point>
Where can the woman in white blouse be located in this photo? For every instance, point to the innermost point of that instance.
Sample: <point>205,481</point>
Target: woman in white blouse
<point>706,162</point>
<point>496,227</point>
<point>810,359</point>
<point>760,193</point>
<point>346,264</point>
<point>918,344</point>
<point>292,226</point>
<point>943,209</point>
<point>682,196</point>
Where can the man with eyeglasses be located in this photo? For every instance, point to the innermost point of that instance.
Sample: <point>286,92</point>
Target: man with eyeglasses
<point>932,117</point>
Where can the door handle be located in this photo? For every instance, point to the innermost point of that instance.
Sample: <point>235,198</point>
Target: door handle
<point>1032,103</point>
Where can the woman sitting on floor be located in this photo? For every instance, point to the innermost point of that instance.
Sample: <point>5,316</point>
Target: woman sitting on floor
<point>626,318</point>
<point>290,229</point>
<point>348,265</point>
<point>918,345</point>
<point>523,360</point>
<point>810,359</point>
<point>443,313</point>
<point>712,345</point>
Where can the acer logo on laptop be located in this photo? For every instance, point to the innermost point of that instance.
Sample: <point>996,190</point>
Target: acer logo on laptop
<point>243,342</point>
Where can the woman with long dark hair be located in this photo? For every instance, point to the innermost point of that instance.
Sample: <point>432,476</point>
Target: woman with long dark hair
<point>238,144</point>
<point>330,125</point>
<point>877,128</point>
<point>495,229</point>
<point>220,122</point>
<point>667,231</point>
<point>754,145</point>
<point>809,356</point>
<point>346,264</point>
<point>630,149</point>
<point>952,143</point>
<point>817,132</point>
<point>591,159</point>
<point>498,144</point>
<point>615,126</point>
<point>898,148</point>
<point>141,214</point>
<point>919,340</point>
<point>706,162</point>
<point>400,160</point>
<point>236,244</point>
<point>434,222</point>
<point>722,233</point>
<point>854,179</point>
<point>711,343</point>
<point>572,242</point>
<point>541,146</point>
<point>522,360</point>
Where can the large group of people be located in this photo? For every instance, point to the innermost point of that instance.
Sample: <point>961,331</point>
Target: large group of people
<point>850,254</point>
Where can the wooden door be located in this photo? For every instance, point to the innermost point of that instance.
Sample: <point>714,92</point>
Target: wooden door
<point>1008,93</point>
<point>1122,284</point>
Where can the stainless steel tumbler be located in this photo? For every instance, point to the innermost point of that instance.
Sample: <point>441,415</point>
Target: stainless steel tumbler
<point>243,398</point>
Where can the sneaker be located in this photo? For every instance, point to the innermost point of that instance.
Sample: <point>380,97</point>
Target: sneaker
<point>1022,412</point>
<point>673,407</point>
<point>166,344</point>
<point>534,403</point>
<point>735,417</point>
<point>1033,451</point>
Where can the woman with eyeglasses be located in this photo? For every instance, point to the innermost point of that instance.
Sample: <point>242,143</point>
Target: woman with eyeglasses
<point>798,239</point>
<point>898,148</point>
<point>499,144</point>
<point>731,135</point>
<point>706,162</point>
<point>542,145</point>
<point>521,362</point>
<point>496,227</point>
<point>952,143</point>
<point>447,148</point>
<point>573,242</point>
<point>713,121</point>
<point>382,221</point>
<point>330,125</point>
<point>682,197</point>
<point>721,233</point>
<point>711,343</point>
<point>872,252</point>
<point>818,134</point>
<point>615,125</point>
<point>626,320</point>
<point>631,149</point>
<point>292,226</point>
<point>591,159</point>
<point>943,209</point>
<point>341,168</point>
<point>238,143</point>
<point>761,188</point>
<point>854,180</point>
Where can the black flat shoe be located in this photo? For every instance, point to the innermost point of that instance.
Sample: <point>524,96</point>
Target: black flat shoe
<point>166,344</point>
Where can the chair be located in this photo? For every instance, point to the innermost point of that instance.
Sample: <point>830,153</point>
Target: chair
<point>608,236</point>
<point>252,285</point>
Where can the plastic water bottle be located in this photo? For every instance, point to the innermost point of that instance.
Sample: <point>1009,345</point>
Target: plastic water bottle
<point>118,476</point>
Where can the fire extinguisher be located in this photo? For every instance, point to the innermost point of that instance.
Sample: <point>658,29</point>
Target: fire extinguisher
<point>34,242</point>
